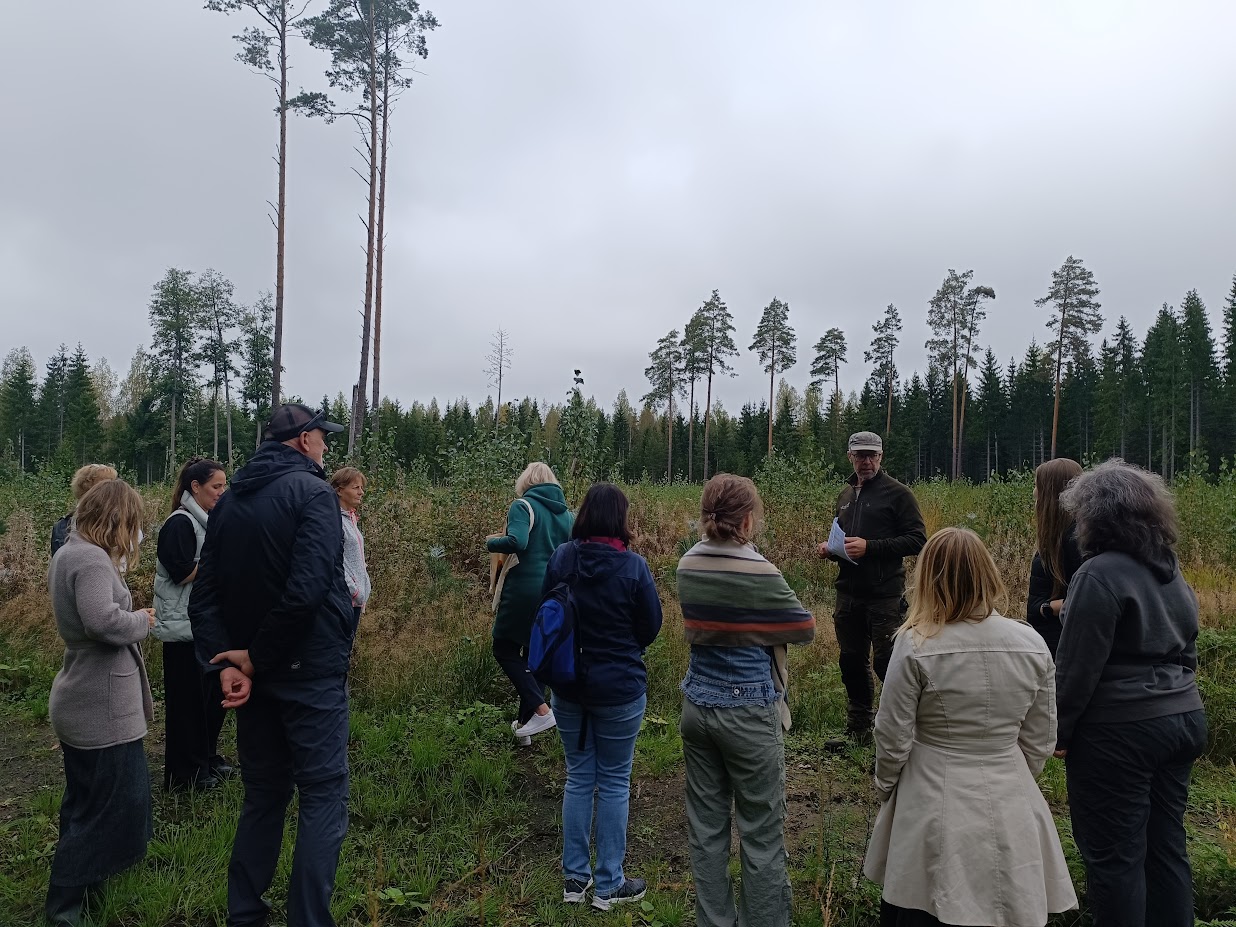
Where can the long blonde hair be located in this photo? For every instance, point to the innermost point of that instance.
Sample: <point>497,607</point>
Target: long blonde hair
<point>110,516</point>
<point>955,580</point>
<point>1052,520</point>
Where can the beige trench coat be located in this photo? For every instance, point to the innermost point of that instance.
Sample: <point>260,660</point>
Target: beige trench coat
<point>967,719</point>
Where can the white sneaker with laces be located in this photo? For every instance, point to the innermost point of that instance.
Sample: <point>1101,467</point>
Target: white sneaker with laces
<point>522,741</point>
<point>537,723</point>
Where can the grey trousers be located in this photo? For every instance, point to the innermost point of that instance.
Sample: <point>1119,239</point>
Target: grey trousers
<point>735,758</point>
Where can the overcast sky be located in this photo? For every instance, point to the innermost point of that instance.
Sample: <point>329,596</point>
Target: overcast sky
<point>584,174</point>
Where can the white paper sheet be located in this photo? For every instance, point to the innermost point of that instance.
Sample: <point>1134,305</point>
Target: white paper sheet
<point>836,542</point>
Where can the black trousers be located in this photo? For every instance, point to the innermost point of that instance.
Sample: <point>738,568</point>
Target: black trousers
<point>893,916</point>
<point>512,656</point>
<point>1128,785</point>
<point>290,736</point>
<point>194,716</point>
<point>865,629</point>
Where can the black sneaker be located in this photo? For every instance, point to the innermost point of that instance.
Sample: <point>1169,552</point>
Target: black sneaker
<point>853,737</point>
<point>574,891</point>
<point>630,890</point>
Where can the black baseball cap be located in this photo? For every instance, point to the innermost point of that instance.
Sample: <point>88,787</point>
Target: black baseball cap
<point>292,418</point>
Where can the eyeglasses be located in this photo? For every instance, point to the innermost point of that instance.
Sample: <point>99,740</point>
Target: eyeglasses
<point>866,455</point>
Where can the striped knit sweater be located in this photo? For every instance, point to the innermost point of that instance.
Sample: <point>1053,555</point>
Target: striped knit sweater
<point>733,597</point>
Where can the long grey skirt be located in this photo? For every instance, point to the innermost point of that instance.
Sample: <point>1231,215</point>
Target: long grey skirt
<point>105,816</point>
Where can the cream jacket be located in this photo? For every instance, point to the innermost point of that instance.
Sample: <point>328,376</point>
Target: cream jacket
<point>967,720</point>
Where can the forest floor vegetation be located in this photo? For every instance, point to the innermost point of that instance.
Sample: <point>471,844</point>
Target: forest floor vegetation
<point>451,822</point>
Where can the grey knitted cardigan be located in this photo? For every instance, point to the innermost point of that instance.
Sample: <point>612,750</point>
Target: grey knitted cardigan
<point>101,697</point>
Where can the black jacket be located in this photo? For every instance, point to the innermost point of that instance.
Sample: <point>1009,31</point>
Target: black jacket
<point>1042,587</point>
<point>886,515</point>
<point>1128,651</point>
<point>270,578</point>
<point>619,615</point>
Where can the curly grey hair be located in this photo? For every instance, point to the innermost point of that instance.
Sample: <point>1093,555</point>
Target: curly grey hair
<point>1118,506</point>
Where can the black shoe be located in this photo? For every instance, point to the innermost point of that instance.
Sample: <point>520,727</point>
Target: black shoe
<point>200,784</point>
<point>853,737</point>
<point>64,905</point>
<point>220,768</point>
<point>630,890</point>
<point>574,891</point>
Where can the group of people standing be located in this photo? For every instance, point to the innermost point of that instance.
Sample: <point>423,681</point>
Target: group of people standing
<point>260,587</point>
<point>1102,673</point>
<point>265,578</point>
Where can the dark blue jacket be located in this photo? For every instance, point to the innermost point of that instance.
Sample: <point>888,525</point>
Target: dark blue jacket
<point>270,578</point>
<point>619,615</point>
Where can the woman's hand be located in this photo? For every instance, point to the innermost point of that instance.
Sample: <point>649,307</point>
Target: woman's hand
<point>1060,754</point>
<point>150,617</point>
<point>1057,606</point>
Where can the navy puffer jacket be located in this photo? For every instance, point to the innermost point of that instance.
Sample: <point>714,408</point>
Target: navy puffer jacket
<point>270,578</point>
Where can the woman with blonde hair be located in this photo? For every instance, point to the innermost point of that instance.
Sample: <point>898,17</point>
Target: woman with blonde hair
<point>967,720</point>
<point>84,480</point>
<point>100,701</point>
<point>738,614</point>
<point>536,523</point>
<point>349,484</point>
<point>1056,555</point>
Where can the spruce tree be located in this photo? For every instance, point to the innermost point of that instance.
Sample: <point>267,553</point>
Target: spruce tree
<point>1202,370</point>
<point>175,326</point>
<point>18,415</point>
<point>82,432</point>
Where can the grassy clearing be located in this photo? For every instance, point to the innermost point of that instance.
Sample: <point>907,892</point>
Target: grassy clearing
<point>451,824</point>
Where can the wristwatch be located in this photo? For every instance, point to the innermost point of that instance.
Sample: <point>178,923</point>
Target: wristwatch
<point>1045,611</point>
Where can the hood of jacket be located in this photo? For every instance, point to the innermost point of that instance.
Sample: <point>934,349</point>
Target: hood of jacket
<point>549,495</point>
<point>598,560</point>
<point>271,461</point>
<point>1162,566</point>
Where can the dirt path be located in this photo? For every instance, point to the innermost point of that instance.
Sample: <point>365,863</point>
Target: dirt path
<point>29,760</point>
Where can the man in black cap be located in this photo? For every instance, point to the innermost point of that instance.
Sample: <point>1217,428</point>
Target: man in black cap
<point>882,525</point>
<point>271,613</point>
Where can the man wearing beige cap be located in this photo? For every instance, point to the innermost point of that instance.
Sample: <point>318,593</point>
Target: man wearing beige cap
<point>883,526</point>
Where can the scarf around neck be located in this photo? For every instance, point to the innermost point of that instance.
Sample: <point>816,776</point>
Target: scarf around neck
<point>732,597</point>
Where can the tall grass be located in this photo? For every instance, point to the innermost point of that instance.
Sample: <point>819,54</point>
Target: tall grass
<point>444,813</point>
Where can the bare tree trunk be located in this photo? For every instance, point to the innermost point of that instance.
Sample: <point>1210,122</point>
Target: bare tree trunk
<point>771,377</point>
<point>214,452</point>
<point>707,422</point>
<point>358,409</point>
<point>227,407</point>
<point>380,243</point>
<point>691,434</point>
<point>281,212</point>
<point>1055,413</point>
<point>888,419</point>
<point>669,438</point>
<point>171,447</point>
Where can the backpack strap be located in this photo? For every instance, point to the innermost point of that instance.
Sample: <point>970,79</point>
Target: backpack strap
<point>531,512</point>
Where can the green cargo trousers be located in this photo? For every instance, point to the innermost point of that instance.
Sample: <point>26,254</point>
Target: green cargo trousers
<point>736,758</point>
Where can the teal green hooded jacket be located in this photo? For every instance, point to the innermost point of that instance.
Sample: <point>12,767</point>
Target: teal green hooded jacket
<point>521,590</point>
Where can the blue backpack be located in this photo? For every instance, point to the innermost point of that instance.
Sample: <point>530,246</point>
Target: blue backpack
<point>555,656</point>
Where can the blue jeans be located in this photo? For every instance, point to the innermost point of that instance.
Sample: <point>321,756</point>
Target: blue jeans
<point>603,766</point>
<point>1128,785</point>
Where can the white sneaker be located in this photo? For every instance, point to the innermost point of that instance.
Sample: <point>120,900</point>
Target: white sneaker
<point>536,724</point>
<point>522,741</point>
